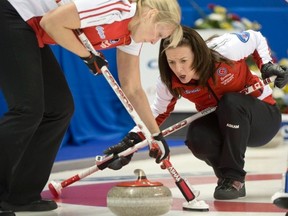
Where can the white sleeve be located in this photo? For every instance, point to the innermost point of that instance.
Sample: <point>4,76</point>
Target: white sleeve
<point>162,99</point>
<point>133,48</point>
<point>99,12</point>
<point>237,46</point>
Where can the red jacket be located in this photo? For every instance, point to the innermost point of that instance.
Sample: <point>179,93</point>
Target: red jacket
<point>104,22</point>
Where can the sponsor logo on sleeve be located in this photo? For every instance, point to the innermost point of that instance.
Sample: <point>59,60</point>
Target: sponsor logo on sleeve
<point>100,31</point>
<point>243,36</point>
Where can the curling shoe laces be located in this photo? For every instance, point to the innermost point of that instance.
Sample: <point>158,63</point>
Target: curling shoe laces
<point>228,189</point>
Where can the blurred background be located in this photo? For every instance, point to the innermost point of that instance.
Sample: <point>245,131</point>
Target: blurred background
<point>101,120</point>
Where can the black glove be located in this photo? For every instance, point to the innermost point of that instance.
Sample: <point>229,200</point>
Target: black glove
<point>129,140</point>
<point>160,149</point>
<point>95,63</point>
<point>281,73</point>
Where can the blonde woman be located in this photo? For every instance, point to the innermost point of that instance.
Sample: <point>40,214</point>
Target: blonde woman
<point>39,100</point>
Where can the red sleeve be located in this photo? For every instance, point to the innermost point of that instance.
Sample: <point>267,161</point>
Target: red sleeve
<point>42,37</point>
<point>160,119</point>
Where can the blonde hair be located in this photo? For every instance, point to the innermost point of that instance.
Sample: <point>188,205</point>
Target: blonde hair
<point>169,12</point>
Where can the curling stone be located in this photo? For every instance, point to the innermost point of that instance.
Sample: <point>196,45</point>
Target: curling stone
<point>139,198</point>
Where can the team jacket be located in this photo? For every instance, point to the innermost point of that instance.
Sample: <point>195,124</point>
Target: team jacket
<point>235,46</point>
<point>104,22</point>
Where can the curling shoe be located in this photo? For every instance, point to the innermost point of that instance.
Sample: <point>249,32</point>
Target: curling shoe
<point>7,213</point>
<point>228,189</point>
<point>35,206</point>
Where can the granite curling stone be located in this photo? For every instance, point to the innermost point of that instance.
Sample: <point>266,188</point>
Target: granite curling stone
<point>139,198</point>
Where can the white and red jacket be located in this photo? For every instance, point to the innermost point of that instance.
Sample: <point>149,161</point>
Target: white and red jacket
<point>235,46</point>
<point>105,22</point>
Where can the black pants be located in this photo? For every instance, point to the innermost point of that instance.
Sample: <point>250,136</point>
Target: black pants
<point>40,108</point>
<point>221,138</point>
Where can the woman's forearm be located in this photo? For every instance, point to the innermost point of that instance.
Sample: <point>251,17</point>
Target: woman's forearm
<point>141,104</point>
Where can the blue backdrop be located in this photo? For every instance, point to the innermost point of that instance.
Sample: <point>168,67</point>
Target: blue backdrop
<point>99,116</point>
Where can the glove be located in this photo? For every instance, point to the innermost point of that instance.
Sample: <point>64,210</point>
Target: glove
<point>281,73</point>
<point>160,149</point>
<point>95,63</point>
<point>129,140</point>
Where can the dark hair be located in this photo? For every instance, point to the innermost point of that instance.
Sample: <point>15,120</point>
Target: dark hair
<point>205,59</point>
